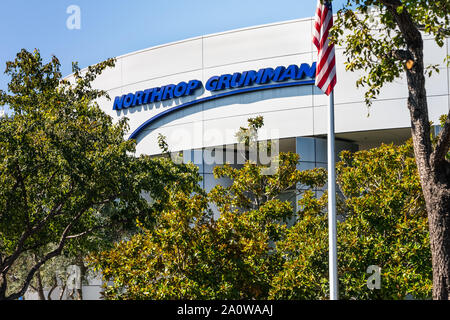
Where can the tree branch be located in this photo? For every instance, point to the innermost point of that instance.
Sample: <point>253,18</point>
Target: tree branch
<point>7,262</point>
<point>443,143</point>
<point>49,295</point>
<point>29,232</point>
<point>62,291</point>
<point>3,286</point>
<point>403,55</point>
<point>393,4</point>
<point>404,21</point>
<point>48,256</point>
<point>83,233</point>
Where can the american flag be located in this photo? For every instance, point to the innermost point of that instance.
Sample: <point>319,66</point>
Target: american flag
<point>326,63</point>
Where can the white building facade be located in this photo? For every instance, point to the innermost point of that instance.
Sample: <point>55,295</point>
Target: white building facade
<point>199,91</point>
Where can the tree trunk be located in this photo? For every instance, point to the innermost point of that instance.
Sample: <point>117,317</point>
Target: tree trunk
<point>61,294</point>
<point>3,286</point>
<point>437,200</point>
<point>434,169</point>
<point>79,294</point>
<point>40,288</point>
<point>434,173</point>
<point>431,163</point>
<point>49,294</point>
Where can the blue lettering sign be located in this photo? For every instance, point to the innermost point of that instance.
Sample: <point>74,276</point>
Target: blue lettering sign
<point>216,83</point>
<point>306,70</point>
<point>192,86</point>
<point>211,84</point>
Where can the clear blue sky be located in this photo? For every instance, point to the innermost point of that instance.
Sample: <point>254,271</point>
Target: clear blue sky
<point>110,28</point>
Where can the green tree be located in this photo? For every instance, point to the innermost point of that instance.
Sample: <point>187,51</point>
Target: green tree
<point>255,249</point>
<point>69,182</point>
<point>190,255</point>
<point>384,223</point>
<point>384,39</point>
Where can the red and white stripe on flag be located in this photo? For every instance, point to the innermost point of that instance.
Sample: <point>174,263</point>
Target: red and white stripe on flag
<point>326,63</point>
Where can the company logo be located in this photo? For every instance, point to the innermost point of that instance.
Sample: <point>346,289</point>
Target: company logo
<point>235,81</point>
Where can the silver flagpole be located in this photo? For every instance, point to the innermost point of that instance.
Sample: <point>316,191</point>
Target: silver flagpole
<point>332,238</point>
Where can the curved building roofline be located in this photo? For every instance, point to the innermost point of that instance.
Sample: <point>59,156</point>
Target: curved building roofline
<point>267,25</point>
